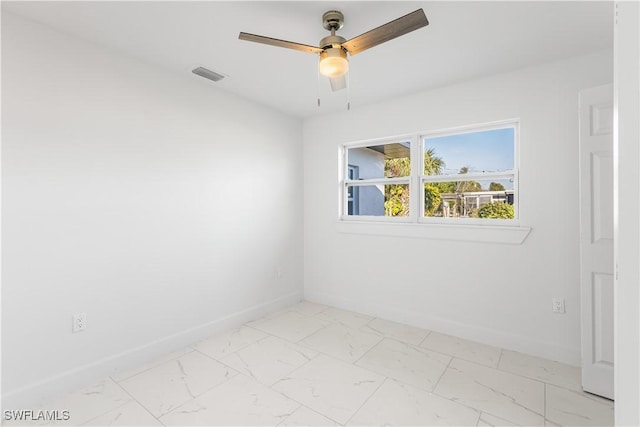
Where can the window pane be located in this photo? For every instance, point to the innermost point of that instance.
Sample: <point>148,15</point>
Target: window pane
<point>474,152</point>
<point>378,200</point>
<point>381,161</point>
<point>467,199</point>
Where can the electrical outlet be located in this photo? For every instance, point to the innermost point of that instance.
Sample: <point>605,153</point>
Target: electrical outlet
<point>79,322</point>
<point>558,305</point>
<point>279,272</point>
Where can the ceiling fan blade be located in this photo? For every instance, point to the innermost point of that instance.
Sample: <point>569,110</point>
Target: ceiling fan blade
<point>279,43</point>
<point>386,32</point>
<point>338,83</point>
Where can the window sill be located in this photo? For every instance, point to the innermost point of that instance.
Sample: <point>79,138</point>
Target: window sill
<point>510,235</point>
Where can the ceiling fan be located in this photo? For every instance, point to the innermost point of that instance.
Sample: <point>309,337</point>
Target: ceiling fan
<point>333,50</point>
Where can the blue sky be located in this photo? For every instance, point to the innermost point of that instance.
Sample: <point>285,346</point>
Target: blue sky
<point>486,151</point>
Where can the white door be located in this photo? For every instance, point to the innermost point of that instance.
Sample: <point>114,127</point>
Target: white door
<point>596,239</point>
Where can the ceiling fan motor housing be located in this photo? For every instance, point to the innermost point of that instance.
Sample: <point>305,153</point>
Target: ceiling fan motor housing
<point>332,20</point>
<point>334,50</point>
<point>331,41</point>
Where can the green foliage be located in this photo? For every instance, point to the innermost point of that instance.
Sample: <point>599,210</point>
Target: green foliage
<point>496,186</point>
<point>432,164</point>
<point>397,196</point>
<point>396,200</point>
<point>466,186</point>
<point>496,210</point>
<point>397,167</point>
<point>402,166</point>
<point>432,199</point>
<point>446,187</point>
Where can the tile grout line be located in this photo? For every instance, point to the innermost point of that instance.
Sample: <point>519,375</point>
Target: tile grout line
<point>538,379</point>
<point>191,349</point>
<point>372,319</point>
<point>503,372</point>
<point>355,362</point>
<point>238,372</point>
<point>312,316</point>
<point>385,335</point>
<point>270,387</point>
<point>193,398</point>
<point>102,414</point>
<point>329,322</point>
<point>294,411</point>
<point>433,390</point>
<point>302,405</point>
<point>312,333</point>
<point>425,337</point>
<point>367,399</point>
<point>133,400</point>
<point>236,350</point>
<point>106,412</point>
<point>453,356</point>
<point>490,413</point>
<point>385,378</point>
<point>335,322</point>
<point>262,331</point>
<point>412,346</point>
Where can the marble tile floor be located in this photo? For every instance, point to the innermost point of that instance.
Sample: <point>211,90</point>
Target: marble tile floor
<point>313,365</point>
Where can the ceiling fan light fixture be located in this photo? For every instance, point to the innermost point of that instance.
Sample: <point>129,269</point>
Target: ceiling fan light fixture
<point>333,62</point>
<point>334,49</point>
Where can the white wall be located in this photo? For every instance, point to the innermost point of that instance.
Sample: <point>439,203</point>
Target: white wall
<point>627,214</point>
<point>496,293</point>
<point>156,203</point>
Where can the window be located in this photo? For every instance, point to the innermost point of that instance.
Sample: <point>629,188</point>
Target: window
<point>378,179</point>
<point>464,175</point>
<point>470,174</point>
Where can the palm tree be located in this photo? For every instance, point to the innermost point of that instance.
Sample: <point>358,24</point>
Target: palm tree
<point>432,164</point>
<point>397,199</point>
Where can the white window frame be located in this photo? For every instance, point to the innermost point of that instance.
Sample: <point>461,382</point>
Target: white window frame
<point>416,182</point>
<point>509,174</point>
<point>345,182</point>
<point>355,203</point>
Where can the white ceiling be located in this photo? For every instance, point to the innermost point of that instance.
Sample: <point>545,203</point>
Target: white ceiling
<point>464,40</point>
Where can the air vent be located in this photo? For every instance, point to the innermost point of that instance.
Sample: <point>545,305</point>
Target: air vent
<point>208,74</point>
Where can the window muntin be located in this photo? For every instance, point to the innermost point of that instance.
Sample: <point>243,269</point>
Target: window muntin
<point>353,192</point>
<point>388,160</point>
<point>455,174</point>
<point>381,200</point>
<point>465,171</point>
<point>378,180</point>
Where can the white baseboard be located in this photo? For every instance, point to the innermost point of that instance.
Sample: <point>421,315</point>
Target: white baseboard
<point>522,344</point>
<point>33,395</point>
